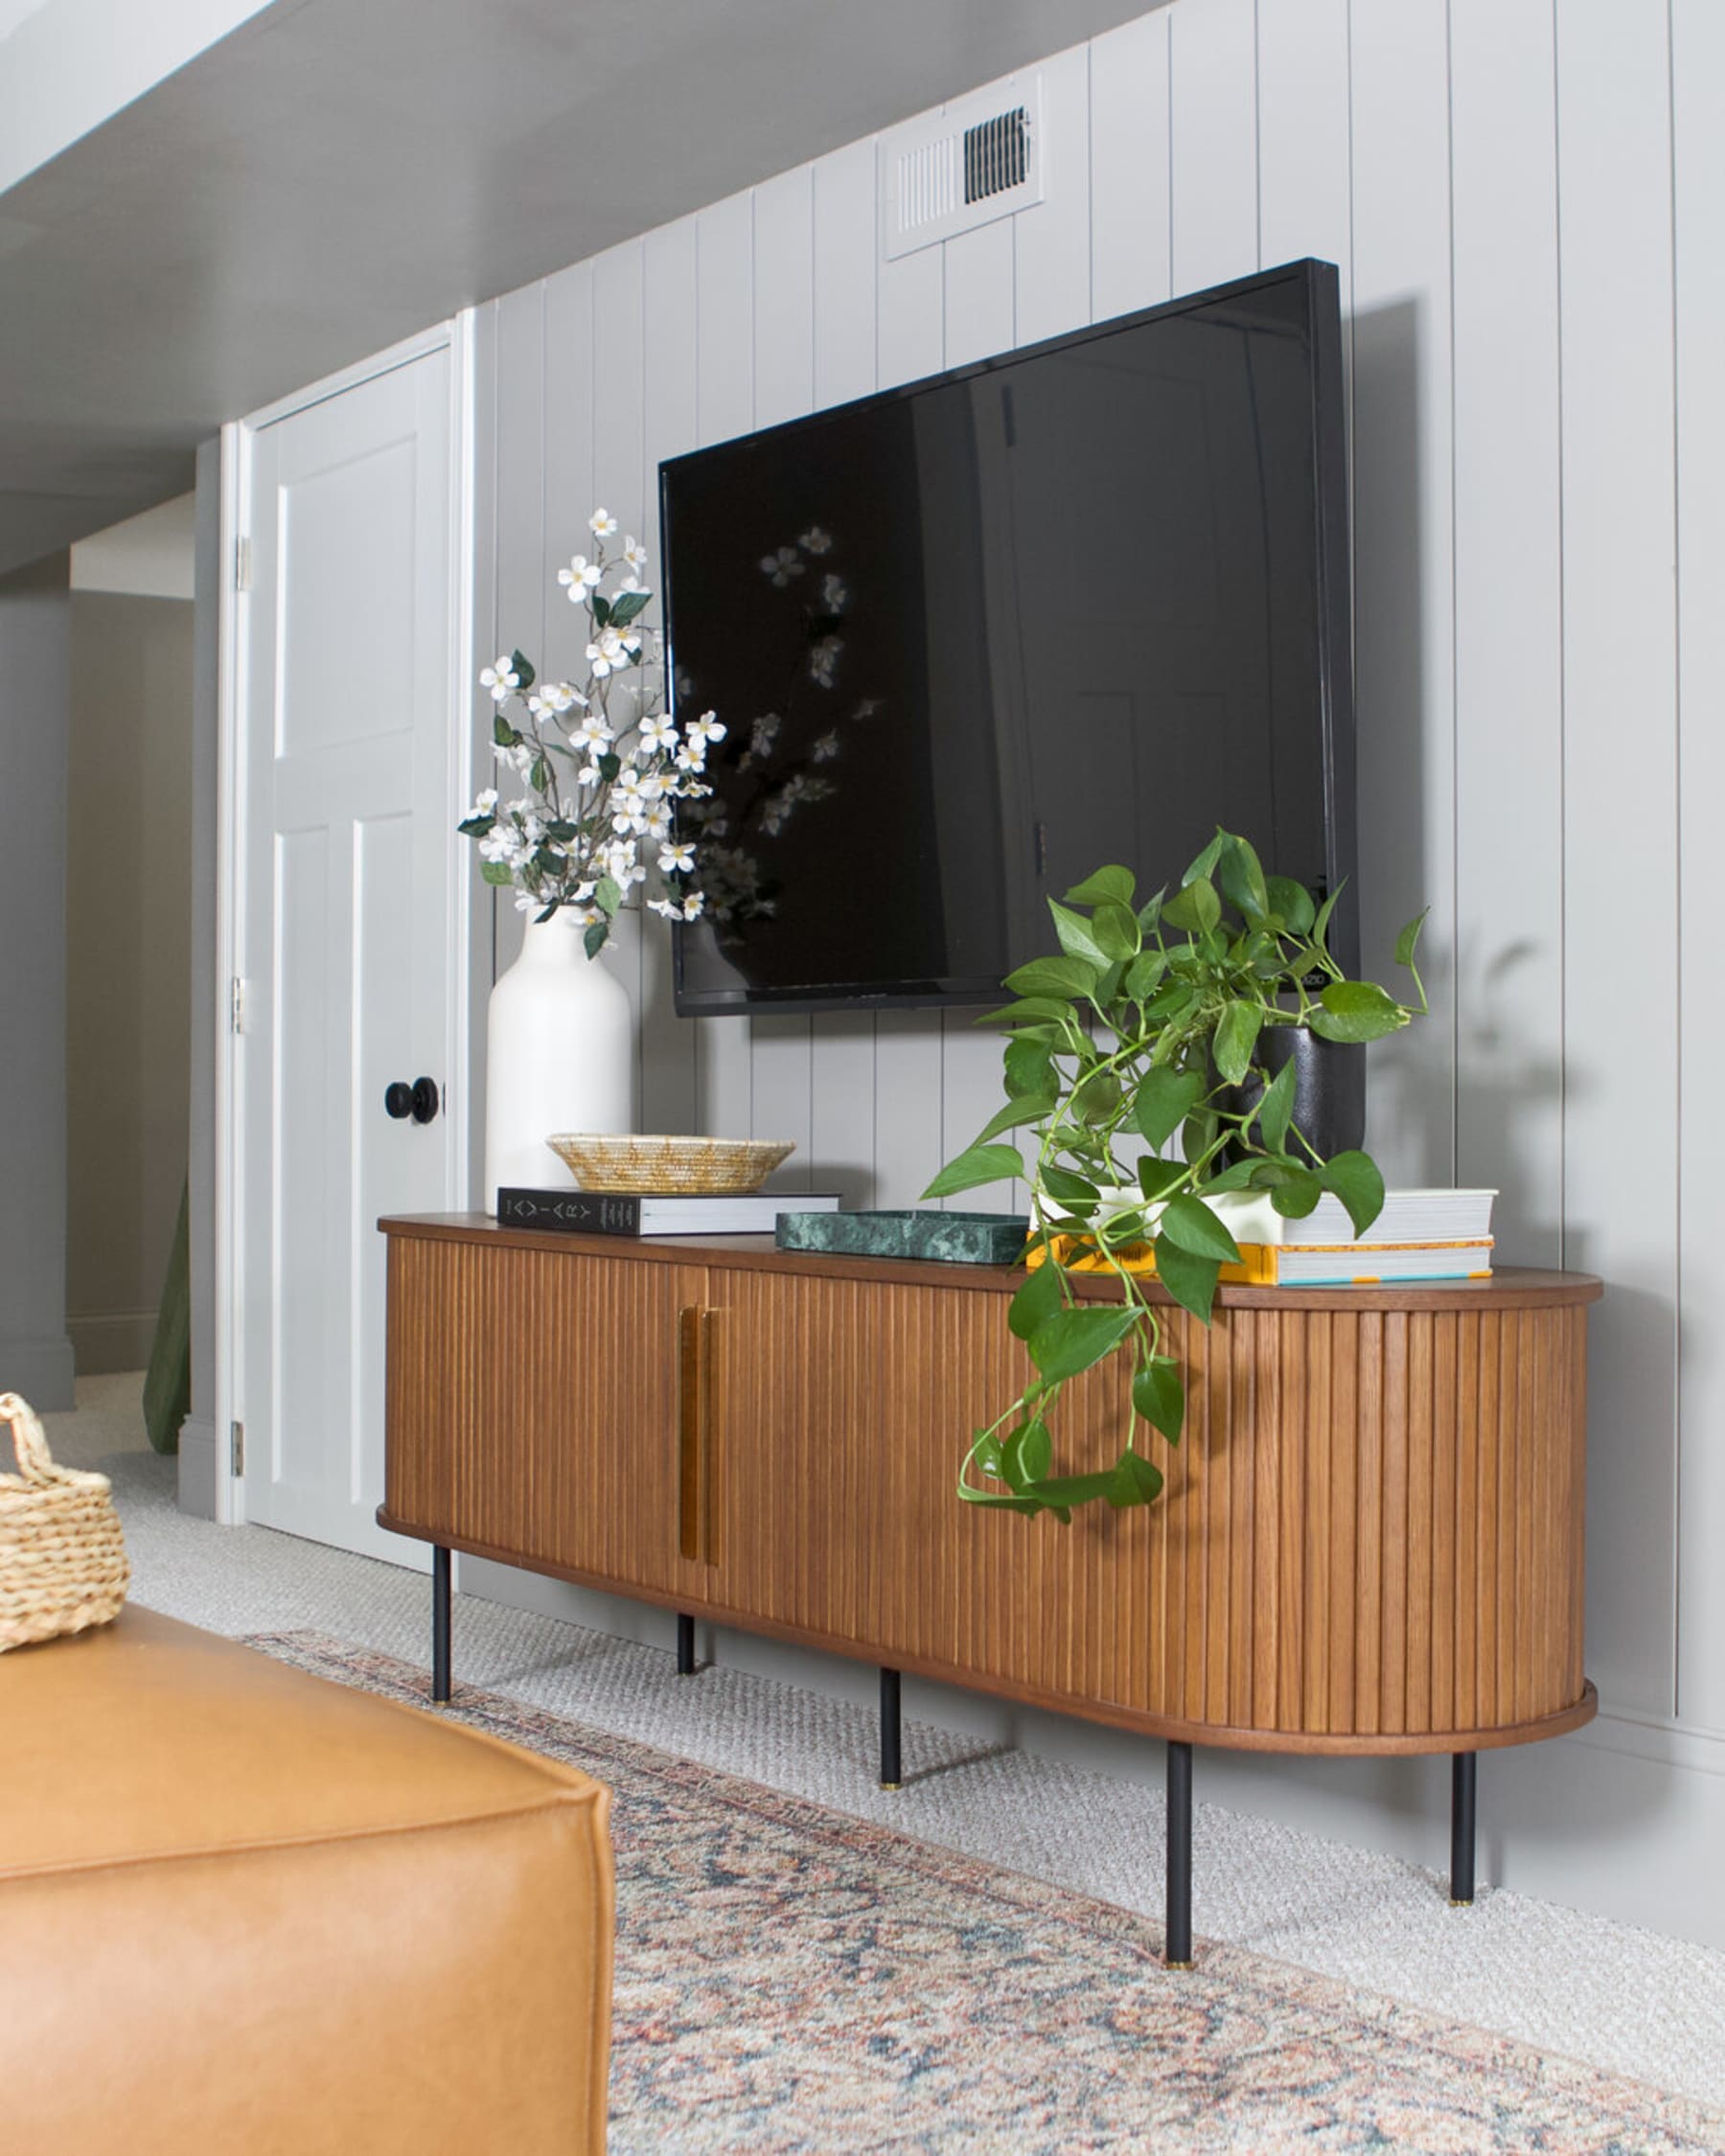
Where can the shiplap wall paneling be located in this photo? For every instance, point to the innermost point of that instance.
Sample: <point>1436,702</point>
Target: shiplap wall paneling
<point>782,1048</point>
<point>570,494</point>
<point>1697,73</point>
<point>1404,615</point>
<point>669,1099</point>
<point>521,482</point>
<point>1051,242</point>
<point>841,1065</point>
<point>1305,199</point>
<point>1212,162</point>
<point>1508,604</point>
<point>724,406</point>
<point>1620,1115</point>
<point>481,768</point>
<point>1129,134</point>
<point>909,341</point>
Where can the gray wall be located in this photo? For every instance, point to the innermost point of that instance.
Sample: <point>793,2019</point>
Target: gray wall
<point>36,1355</point>
<point>1528,207</point>
<point>128,966</point>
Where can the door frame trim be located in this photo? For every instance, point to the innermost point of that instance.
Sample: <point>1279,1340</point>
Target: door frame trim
<point>239,437</point>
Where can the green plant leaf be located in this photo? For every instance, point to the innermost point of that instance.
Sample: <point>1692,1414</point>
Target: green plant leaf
<point>1135,1480</point>
<point>1096,1098</point>
<point>1356,1010</point>
<point>1190,1280</point>
<point>1198,1132</point>
<point>609,896</point>
<point>1292,902</point>
<point>1027,1455</point>
<point>1190,1222</point>
<point>609,765</point>
<point>1036,1301</point>
<point>1321,920</point>
<point>1111,883</point>
<point>1157,1177</point>
<point>1407,942</point>
<point>1029,1010</point>
<point>1235,1039</point>
<point>522,669</point>
<point>1062,1183</point>
<point>593,942</point>
<point>1241,876</point>
<point>1354,1179</point>
<point>1029,1066</point>
<point>1277,1107</point>
<point>599,607</point>
<point>1115,929</point>
<point>1076,937</point>
<point>1195,908</point>
<point>503,733</point>
<point>1159,1394</point>
<point>1060,1492</point>
<point>1297,1196</point>
<point>1073,1340</point>
<point>496,872</point>
<point>476,827</point>
<point>1027,1108</point>
<point>1150,912</point>
<point>538,775</point>
<point>996,1500</point>
<point>977,1164</point>
<point>627,604</point>
<point>1145,975</point>
<point>1066,978</point>
<point>1199,870</point>
<point>1163,1101</point>
<point>1237,1175</point>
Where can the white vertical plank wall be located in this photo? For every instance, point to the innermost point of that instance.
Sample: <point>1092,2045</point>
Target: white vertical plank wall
<point>1529,238</point>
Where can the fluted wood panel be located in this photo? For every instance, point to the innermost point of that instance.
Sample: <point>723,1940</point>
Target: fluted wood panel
<point>1371,1538</point>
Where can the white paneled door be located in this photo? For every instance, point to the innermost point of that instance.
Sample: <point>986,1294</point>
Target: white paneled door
<point>347,929</point>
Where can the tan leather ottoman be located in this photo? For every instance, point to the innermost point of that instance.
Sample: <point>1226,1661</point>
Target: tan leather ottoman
<point>243,1911</point>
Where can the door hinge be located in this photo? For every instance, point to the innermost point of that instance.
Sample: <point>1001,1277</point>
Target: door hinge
<point>235,1448</point>
<point>236,1005</point>
<point>242,564</point>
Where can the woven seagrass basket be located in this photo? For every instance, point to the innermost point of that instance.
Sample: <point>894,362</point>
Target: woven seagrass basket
<point>63,1557</point>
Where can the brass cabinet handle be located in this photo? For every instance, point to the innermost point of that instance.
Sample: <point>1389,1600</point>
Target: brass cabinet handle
<point>693,1429</point>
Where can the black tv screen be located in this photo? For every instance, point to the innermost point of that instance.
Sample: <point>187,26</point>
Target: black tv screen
<point>971,638</point>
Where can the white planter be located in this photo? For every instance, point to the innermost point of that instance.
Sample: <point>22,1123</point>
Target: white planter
<point>1248,1215</point>
<point>560,1055</point>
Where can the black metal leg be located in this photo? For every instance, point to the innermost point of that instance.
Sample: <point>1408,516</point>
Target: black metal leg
<point>1177,1950</point>
<point>439,1623</point>
<point>1464,1788</point>
<point>889,1729</point>
<point>685,1645</point>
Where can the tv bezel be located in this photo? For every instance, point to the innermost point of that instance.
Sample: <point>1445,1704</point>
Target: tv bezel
<point>1320,284</point>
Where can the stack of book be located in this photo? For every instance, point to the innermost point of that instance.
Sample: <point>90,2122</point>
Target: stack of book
<point>595,1213</point>
<point>1419,1235</point>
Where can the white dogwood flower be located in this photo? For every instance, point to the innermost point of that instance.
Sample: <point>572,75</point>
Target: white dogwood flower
<point>815,542</point>
<point>485,801</point>
<point>579,578</point>
<point>706,728</point>
<point>781,566</point>
<point>636,555</point>
<point>835,594</point>
<point>500,677</point>
<point>825,748</point>
<point>607,653</point>
<point>676,859</point>
<point>666,906</point>
<point>694,906</point>
<point>658,736</point>
<point>601,524</point>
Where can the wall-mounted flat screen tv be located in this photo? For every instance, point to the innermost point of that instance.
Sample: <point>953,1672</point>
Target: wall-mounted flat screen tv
<point>972,638</point>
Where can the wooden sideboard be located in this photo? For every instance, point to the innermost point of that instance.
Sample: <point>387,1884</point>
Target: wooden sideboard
<point>1370,1539</point>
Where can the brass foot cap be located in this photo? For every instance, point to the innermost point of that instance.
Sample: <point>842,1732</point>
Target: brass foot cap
<point>1177,1965</point>
<point>891,1785</point>
<point>1468,1904</point>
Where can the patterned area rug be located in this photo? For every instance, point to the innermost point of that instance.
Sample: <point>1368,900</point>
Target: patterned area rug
<point>790,1979</point>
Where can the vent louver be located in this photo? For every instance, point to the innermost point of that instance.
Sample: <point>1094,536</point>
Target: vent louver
<point>981,158</point>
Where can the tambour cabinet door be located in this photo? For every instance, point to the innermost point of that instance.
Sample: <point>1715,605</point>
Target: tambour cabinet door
<point>534,1403</point>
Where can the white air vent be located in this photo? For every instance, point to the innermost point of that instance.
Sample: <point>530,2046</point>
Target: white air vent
<point>981,158</point>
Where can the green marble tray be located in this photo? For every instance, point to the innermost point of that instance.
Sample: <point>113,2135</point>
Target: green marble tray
<point>945,1238</point>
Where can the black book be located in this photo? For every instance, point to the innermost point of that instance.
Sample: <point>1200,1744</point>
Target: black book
<point>599,1212</point>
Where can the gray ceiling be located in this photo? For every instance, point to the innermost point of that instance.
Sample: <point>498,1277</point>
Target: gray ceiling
<point>339,174</point>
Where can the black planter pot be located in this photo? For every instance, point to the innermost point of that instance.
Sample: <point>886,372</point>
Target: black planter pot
<point>1329,1086</point>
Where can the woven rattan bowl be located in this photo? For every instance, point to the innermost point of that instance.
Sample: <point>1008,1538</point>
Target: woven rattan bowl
<point>707,1166</point>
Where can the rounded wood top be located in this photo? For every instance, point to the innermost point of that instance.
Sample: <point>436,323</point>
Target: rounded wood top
<point>1511,1286</point>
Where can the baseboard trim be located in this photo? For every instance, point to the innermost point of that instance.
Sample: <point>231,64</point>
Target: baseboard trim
<point>106,1340</point>
<point>199,1469</point>
<point>41,1370</point>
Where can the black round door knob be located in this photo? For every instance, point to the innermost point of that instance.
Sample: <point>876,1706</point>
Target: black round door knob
<point>420,1100</point>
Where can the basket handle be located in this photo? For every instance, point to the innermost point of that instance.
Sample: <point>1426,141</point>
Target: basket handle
<point>30,1442</point>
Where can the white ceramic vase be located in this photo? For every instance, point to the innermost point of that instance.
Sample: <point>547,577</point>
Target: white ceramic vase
<point>559,1056</point>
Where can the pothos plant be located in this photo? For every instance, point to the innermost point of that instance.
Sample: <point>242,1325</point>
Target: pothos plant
<point>1149,1025</point>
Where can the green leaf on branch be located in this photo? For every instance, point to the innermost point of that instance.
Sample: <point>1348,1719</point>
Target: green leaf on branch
<point>627,604</point>
<point>1356,1010</point>
<point>1029,1065</point>
<point>600,608</point>
<point>476,827</point>
<point>503,733</point>
<point>1159,1395</point>
<point>1196,907</point>
<point>1115,930</point>
<point>1028,1108</point>
<point>1190,1222</point>
<point>498,873</point>
<point>1074,1339</point>
<point>1096,1098</point>
<point>1113,882</point>
<point>1163,1101</point>
<point>594,941</point>
<point>1199,870</point>
<point>1241,876</point>
<point>1157,1177</point>
<point>1027,1455</point>
<point>1277,1107</point>
<point>1144,974</point>
<point>979,1165</point>
<point>1407,942</point>
<point>1292,903</point>
<point>1190,1280</point>
<point>609,896</point>
<point>1076,937</point>
<point>1036,1301</point>
<point>1354,1179</point>
<point>1064,1185</point>
<point>539,776</point>
<point>1236,1038</point>
<point>1029,1010</point>
<point>1298,1195</point>
<point>609,765</point>
<point>1067,977</point>
<point>996,1500</point>
<point>523,670</point>
<point>1135,1480</point>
